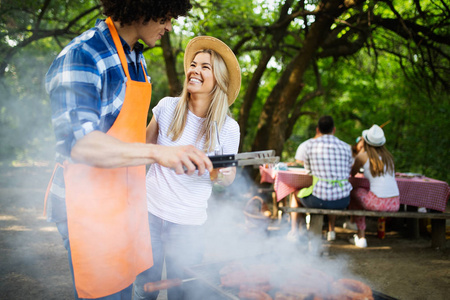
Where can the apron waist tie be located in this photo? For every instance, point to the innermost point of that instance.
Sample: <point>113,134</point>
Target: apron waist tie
<point>305,192</point>
<point>340,182</point>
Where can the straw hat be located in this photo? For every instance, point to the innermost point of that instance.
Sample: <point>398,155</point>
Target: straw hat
<point>234,71</point>
<point>374,136</point>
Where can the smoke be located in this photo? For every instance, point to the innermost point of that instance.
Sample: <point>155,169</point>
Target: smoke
<point>25,115</point>
<point>32,254</point>
<point>229,238</point>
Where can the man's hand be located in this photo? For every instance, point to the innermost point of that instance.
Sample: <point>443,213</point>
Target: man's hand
<point>183,159</point>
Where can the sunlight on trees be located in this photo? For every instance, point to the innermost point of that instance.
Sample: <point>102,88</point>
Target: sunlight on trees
<point>372,61</point>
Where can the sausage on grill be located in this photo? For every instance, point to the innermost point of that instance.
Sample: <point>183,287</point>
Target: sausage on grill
<point>254,295</point>
<point>161,285</point>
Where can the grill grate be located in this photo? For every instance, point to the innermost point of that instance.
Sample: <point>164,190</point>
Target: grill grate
<point>208,275</point>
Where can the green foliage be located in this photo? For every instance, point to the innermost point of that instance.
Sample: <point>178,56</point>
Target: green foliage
<point>360,95</point>
<point>26,52</point>
<point>157,72</point>
<point>388,79</point>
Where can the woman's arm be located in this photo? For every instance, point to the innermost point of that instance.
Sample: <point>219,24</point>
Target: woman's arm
<point>152,131</point>
<point>360,160</point>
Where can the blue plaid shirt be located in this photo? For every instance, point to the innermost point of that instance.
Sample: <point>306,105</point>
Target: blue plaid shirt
<point>86,84</point>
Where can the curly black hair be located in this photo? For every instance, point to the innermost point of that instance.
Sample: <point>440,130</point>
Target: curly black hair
<point>130,11</point>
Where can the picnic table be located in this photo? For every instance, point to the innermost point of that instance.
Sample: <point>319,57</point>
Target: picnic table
<point>417,191</point>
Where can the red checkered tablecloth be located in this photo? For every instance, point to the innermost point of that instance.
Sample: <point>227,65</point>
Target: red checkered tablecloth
<point>416,191</point>
<point>285,182</point>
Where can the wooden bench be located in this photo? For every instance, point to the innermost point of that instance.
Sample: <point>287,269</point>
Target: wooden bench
<point>437,219</point>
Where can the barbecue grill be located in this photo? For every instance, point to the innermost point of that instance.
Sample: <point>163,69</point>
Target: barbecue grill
<point>208,280</point>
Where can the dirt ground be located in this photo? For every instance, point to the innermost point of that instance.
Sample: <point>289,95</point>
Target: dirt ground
<point>33,261</point>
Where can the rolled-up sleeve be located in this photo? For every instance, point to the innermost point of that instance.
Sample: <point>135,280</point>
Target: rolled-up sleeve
<point>74,85</point>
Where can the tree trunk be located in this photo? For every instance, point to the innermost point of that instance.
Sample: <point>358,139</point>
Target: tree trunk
<point>250,95</point>
<point>273,122</point>
<point>278,32</point>
<point>175,85</point>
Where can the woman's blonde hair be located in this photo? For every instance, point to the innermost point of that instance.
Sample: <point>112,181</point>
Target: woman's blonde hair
<point>217,110</point>
<point>379,157</point>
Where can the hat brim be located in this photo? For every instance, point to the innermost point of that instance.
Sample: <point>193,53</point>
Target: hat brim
<point>234,71</point>
<point>381,143</point>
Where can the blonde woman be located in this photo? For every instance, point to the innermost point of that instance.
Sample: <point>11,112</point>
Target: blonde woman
<point>378,165</point>
<point>177,203</point>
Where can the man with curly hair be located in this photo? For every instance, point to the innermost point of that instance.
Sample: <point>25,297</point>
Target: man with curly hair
<point>100,95</point>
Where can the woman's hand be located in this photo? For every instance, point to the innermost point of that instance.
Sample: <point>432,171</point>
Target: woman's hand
<point>223,176</point>
<point>227,171</point>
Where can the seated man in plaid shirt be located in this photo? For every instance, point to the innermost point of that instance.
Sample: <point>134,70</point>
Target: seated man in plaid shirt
<point>329,161</point>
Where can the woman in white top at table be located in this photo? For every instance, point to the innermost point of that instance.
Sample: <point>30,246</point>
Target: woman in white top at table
<point>378,165</point>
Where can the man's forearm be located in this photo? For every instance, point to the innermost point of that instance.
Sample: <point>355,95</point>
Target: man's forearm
<point>103,151</point>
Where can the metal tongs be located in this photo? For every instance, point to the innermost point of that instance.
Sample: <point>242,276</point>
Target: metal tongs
<point>221,160</point>
<point>244,159</point>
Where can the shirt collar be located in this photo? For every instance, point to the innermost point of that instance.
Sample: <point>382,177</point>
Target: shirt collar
<point>138,47</point>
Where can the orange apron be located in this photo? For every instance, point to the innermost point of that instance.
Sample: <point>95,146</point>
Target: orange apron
<point>107,209</point>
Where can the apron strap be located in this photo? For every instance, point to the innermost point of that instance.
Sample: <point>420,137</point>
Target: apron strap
<point>145,75</point>
<point>119,46</point>
<point>49,186</point>
<point>120,51</point>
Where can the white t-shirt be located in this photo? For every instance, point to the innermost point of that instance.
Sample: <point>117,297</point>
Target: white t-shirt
<point>300,154</point>
<point>382,186</point>
<point>183,199</point>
